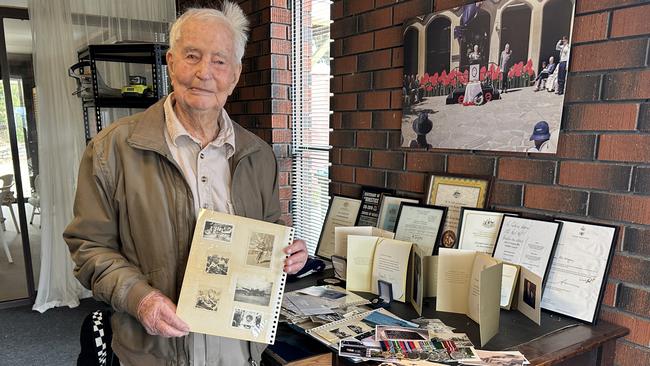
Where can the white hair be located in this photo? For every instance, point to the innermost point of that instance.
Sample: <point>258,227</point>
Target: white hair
<point>230,15</point>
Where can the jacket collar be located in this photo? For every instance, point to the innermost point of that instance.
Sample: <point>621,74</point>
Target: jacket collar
<point>149,134</point>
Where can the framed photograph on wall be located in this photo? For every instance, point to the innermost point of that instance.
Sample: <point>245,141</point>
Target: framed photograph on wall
<point>342,211</point>
<point>455,192</point>
<point>469,70</point>
<point>578,273</point>
<point>389,211</point>
<point>420,224</point>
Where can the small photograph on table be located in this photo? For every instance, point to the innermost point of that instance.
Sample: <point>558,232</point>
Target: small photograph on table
<point>489,75</point>
<point>392,333</point>
<point>529,293</point>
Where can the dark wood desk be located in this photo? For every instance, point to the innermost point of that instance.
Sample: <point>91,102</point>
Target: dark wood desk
<point>557,341</point>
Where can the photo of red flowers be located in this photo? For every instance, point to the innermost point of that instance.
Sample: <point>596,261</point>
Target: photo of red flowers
<point>487,76</point>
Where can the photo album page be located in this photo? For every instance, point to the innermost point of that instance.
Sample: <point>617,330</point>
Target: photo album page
<point>234,280</point>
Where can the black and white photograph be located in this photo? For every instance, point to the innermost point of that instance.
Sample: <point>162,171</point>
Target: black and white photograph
<point>392,333</point>
<point>216,264</point>
<point>490,75</point>
<point>253,291</point>
<point>208,299</point>
<point>529,293</point>
<point>246,319</point>
<point>355,328</point>
<point>260,250</point>
<point>213,230</point>
<point>340,334</point>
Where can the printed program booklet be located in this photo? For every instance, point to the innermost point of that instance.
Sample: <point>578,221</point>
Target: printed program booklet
<point>234,278</point>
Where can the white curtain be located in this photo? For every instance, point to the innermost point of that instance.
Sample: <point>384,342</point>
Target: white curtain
<point>59,29</point>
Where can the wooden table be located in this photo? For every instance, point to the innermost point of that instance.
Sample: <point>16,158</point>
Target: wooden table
<point>557,341</point>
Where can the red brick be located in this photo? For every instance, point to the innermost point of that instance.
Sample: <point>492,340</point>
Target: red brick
<point>644,117</point>
<point>470,165</point>
<point>355,157</point>
<point>357,6</point>
<point>380,3</point>
<point>336,84</point>
<point>609,297</point>
<point>389,37</point>
<point>281,136</point>
<point>398,57</point>
<point>634,300</point>
<point>624,147</point>
<point>425,162</point>
<point>343,27</point>
<point>350,190</point>
<point>396,97</point>
<point>335,156</point>
<point>342,138</point>
<point>591,27</point>
<point>374,100</point>
<point>505,194</point>
<point>627,85</point>
<point>285,193</point>
<point>388,160</point>
<point>374,60</point>
<point>372,139</point>
<point>617,207</point>
<point>344,102</point>
<point>588,6</point>
<point>358,43</point>
<point>334,187</point>
<point>448,4</point>
<point>639,328</point>
<point>576,146</point>
<point>595,175</point>
<point>601,117</point>
<point>636,241</point>
<point>410,9</point>
<point>342,173</point>
<point>609,55</point>
<point>377,19</point>
<point>279,31</point>
<point>391,78</point>
<point>555,199</point>
<point>631,21</point>
<point>628,354</point>
<point>335,120</point>
<point>582,88</point>
<point>387,120</point>
<point>403,181</point>
<point>371,177</point>
<point>279,15</point>
<point>357,82</point>
<point>356,120</point>
<point>527,170</point>
<point>336,10</point>
<point>394,140</point>
<point>344,65</point>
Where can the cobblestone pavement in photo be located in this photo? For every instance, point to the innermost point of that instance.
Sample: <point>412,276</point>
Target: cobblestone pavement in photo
<point>505,124</point>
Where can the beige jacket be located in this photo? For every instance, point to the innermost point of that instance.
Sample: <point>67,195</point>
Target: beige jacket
<point>134,220</point>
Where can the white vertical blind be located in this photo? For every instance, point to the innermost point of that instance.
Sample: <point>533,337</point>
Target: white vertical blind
<point>310,118</point>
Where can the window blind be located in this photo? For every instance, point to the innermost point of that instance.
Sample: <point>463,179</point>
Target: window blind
<point>310,95</point>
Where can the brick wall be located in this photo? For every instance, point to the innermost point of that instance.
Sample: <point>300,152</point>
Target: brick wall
<point>260,101</point>
<point>601,172</point>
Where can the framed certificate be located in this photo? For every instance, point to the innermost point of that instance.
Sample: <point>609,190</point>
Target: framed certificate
<point>342,211</point>
<point>577,276</point>
<point>420,224</point>
<point>527,242</point>
<point>455,192</point>
<point>389,211</point>
<point>370,205</point>
<point>478,229</point>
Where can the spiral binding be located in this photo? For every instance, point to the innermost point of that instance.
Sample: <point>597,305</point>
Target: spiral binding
<point>333,324</point>
<point>280,292</point>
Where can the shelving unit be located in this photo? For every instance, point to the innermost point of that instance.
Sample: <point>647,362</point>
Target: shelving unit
<point>137,53</point>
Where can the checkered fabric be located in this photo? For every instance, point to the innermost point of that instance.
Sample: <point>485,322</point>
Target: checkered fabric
<point>100,340</point>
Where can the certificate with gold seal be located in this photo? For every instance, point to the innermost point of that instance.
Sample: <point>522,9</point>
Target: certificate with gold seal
<point>455,192</point>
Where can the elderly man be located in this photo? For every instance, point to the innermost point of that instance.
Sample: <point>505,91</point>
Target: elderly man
<point>504,64</point>
<point>142,182</point>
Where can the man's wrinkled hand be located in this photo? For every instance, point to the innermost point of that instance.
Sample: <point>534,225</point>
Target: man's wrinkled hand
<point>297,256</point>
<point>157,313</point>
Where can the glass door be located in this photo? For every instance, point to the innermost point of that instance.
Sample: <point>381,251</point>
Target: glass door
<point>19,200</point>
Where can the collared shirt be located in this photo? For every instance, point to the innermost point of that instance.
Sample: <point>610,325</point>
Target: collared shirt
<point>206,169</point>
<point>207,172</point>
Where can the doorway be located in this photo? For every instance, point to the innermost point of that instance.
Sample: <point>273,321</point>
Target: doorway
<point>19,199</point>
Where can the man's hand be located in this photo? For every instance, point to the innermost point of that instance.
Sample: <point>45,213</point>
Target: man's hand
<point>297,256</point>
<point>157,313</point>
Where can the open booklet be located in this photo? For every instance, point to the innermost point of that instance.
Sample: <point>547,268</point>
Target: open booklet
<point>234,280</point>
<point>372,258</point>
<point>469,283</point>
